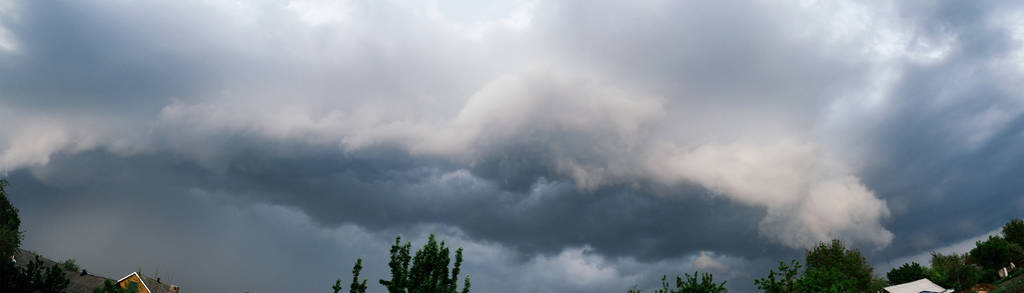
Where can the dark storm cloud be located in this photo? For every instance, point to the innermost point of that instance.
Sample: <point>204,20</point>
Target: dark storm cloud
<point>952,135</point>
<point>384,191</point>
<point>178,208</point>
<point>600,141</point>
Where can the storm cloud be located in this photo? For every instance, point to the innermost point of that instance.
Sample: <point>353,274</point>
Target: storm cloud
<point>569,146</point>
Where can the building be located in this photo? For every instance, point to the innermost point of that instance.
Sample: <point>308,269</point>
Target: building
<point>919,286</point>
<point>147,284</point>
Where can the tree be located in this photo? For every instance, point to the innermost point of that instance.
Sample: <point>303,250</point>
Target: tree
<point>906,273</point>
<point>10,235</point>
<point>54,280</point>
<point>689,284</point>
<point>1013,231</point>
<point>953,271</point>
<point>991,254</point>
<point>878,284</point>
<point>337,286</point>
<point>34,277</point>
<point>428,272</point>
<point>832,263</point>
<point>787,282</point>
<point>1016,253</point>
<point>705,285</point>
<point>357,286</point>
<point>829,279</point>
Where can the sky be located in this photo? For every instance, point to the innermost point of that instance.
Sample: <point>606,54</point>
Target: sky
<point>567,146</point>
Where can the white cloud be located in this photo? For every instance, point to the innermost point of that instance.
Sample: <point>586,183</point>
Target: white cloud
<point>809,197</point>
<point>317,12</point>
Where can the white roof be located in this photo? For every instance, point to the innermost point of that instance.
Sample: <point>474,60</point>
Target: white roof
<point>922,285</point>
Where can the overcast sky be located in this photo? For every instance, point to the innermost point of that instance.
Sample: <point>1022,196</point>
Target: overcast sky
<point>568,146</point>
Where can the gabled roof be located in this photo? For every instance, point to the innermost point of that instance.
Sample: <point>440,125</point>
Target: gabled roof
<point>922,285</point>
<point>151,285</point>
<point>137,276</point>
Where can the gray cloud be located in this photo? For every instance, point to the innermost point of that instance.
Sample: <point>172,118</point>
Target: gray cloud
<point>610,141</point>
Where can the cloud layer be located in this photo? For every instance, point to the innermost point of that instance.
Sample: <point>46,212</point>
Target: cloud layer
<point>608,141</point>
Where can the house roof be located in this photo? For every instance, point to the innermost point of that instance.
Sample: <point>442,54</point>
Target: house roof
<point>78,283</point>
<point>922,285</point>
<point>152,285</point>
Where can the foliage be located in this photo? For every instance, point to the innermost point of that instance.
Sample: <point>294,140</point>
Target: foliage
<point>1016,253</point>
<point>33,277</point>
<point>830,279</point>
<point>689,284</point>
<point>429,270</point>
<point>832,264</point>
<point>70,265</point>
<point>991,254</point>
<point>357,286</point>
<point>1013,231</point>
<point>953,271</point>
<point>906,273</point>
<point>706,284</point>
<point>337,286</point>
<point>786,282</point>
<point>10,235</point>
<point>878,284</point>
<point>110,287</point>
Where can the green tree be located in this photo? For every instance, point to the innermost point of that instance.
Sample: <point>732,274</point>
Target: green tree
<point>1013,231</point>
<point>878,284</point>
<point>37,277</point>
<point>991,254</point>
<point>953,271</point>
<point>10,235</point>
<point>1016,253</point>
<point>689,284</point>
<point>829,279</point>
<point>110,287</point>
<point>906,273</point>
<point>832,264</point>
<point>337,286</point>
<point>357,286</point>
<point>786,280</point>
<point>428,272</point>
<point>706,284</point>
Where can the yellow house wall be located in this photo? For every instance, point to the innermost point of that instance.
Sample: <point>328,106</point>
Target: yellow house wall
<point>134,278</point>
